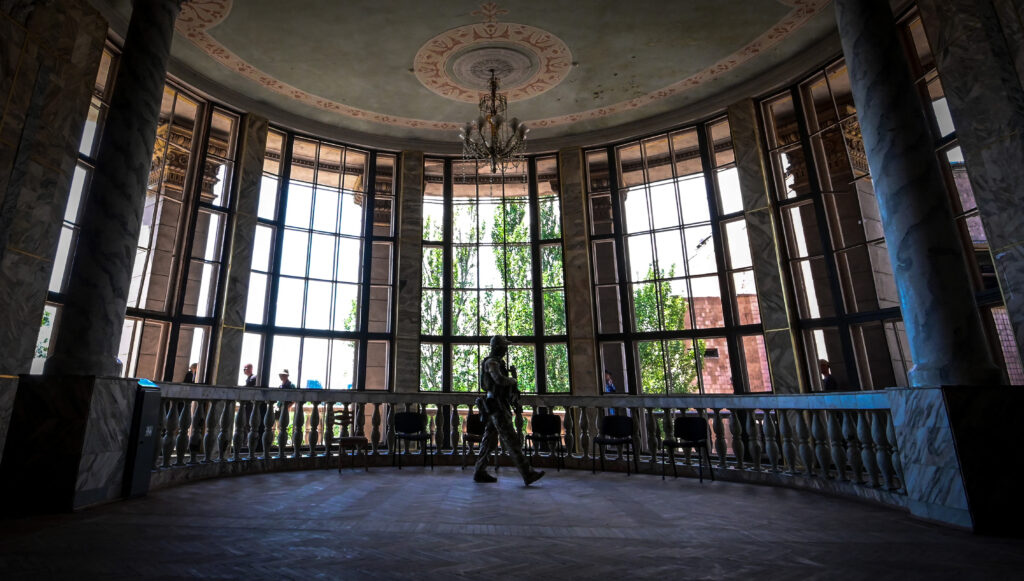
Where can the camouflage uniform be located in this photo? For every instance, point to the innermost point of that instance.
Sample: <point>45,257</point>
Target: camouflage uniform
<point>502,392</point>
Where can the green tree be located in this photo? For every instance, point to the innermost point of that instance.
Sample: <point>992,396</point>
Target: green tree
<point>668,366</point>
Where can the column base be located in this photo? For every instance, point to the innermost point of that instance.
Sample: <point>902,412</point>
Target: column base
<point>67,442</point>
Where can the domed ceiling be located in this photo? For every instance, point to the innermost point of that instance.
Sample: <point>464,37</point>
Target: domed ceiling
<point>409,73</point>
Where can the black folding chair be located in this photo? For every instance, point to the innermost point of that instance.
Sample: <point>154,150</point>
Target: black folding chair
<point>412,427</point>
<point>547,429</point>
<point>615,431</point>
<point>688,432</point>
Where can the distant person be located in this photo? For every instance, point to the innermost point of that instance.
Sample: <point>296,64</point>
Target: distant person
<point>828,383</point>
<point>250,378</point>
<point>190,375</point>
<point>609,387</point>
<point>286,382</point>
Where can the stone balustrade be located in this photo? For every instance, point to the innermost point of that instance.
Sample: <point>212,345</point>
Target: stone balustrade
<point>837,443</point>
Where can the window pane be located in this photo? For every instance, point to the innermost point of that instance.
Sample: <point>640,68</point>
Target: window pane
<point>256,303</point>
<point>716,370</point>
<point>521,357</point>
<point>813,290</point>
<point>343,363</point>
<point>683,359</point>
<point>465,368</point>
<point>268,198</point>
<point>756,363</point>
<point>431,367</point>
<point>377,364</point>
<point>252,352</point>
<point>294,252</point>
<point>737,244</point>
<point>263,241</point>
<point>550,219</point>
<point>693,199</point>
<point>350,254</point>
<point>321,257</point>
<point>556,363</point>
<point>520,313</point>
<point>289,305</point>
<point>464,274</point>
<point>707,302</point>
<point>700,251</point>
<point>201,289</point>
<point>430,313</point>
<point>325,212</point>
<point>729,195</point>
<point>318,297</point>
<point>300,204</point>
<point>352,215</point>
<point>551,266</point>
<point>285,357</point>
<point>313,373</point>
<point>652,366</point>
<point>465,314</point>
<point>346,307</point>
<point>747,310</point>
<point>554,312</point>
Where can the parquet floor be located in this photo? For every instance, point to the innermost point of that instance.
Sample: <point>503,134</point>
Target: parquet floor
<point>418,524</point>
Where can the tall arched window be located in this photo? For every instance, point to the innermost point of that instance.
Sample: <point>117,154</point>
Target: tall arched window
<point>492,264</point>
<point>676,306</point>
<point>321,283</point>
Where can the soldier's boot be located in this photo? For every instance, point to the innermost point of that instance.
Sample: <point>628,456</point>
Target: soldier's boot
<point>533,476</point>
<point>483,477</point>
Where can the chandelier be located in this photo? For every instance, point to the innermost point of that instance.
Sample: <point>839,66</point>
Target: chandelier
<point>492,138</point>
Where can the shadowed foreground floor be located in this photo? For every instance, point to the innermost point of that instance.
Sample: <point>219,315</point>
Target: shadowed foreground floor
<point>418,524</point>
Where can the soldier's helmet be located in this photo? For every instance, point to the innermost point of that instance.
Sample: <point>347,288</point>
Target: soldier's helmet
<point>499,342</point>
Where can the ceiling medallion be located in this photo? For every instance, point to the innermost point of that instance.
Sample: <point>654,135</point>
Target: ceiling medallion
<point>527,60</point>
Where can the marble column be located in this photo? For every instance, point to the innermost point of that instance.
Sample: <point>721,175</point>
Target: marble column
<point>49,54</point>
<point>101,275</point>
<point>975,56</point>
<point>579,293</point>
<point>947,342</point>
<point>252,145</point>
<point>410,272</point>
<point>781,335</point>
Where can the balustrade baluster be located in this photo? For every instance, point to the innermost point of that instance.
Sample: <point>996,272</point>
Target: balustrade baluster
<point>835,433</point>
<point>241,431</point>
<point>389,429</point>
<point>184,428</point>
<point>282,429</point>
<point>803,437</point>
<point>753,430</point>
<point>442,428</point>
<point>570,430</point>
<point>788,448</point>
<point>227,425</point>
<point>721,448</point>
<point>853,450</point>
<point>328,437</point>
<point>894,453</point>
<point>298,429</point>
<point>820,443</point>
<point>771,444</point>
<point>170,432</point>
<point>867,454</point>
<point>882,451</point>
<point>585,432</point>
<point>454,423</point>
<point>736,429</point>
<point>314,429</point>
<point>268,428</point>
<point>209,430</point>
<point>195,438</point>
<point>652,436</point>
<point>253,426</point>
<point>375,428</point>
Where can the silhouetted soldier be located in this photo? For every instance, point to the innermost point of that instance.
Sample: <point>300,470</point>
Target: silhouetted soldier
<point>502,396</point>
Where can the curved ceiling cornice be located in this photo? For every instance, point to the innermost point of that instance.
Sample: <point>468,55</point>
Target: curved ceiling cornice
<point>552,56</point>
